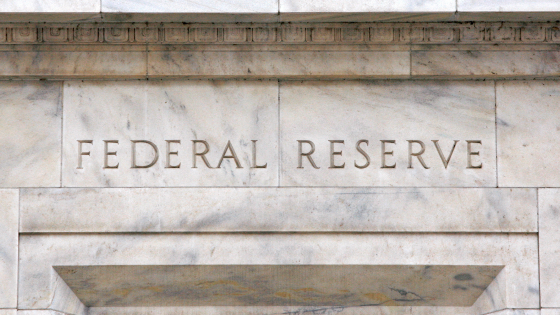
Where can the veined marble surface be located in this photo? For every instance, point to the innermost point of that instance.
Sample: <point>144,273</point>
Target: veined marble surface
<point>485,63</point>
<point>528,133</point>
<point>397,111</point>
<point>307,6</point>
<point>517,252</point>
<point>285,64</point>
<point>517,312</point>
<point>549,246</point>
<point>282,310</point>
<point>50,6</point>
<point>190,6</point>
<point>30,137</point>
<point>71,64</point>
<point>507,6</point>
<point>212,111</point>
<point>278,209</point>
<point>9,217</point>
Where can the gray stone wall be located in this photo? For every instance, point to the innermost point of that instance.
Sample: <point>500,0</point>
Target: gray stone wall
<point>331,165</point>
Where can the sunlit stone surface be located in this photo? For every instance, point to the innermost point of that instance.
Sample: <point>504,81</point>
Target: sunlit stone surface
<point>30,119</point>
<point>8,248</point>
<point>391,120</point>
<point>278,210</point>
<point>186,117</point>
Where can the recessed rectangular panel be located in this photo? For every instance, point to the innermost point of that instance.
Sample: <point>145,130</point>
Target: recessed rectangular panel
<point>276,285</point>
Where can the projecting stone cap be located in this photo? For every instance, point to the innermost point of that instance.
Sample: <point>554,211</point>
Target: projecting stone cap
<point>277,10</point>
<point>340,286</point>
<point>416,11</point>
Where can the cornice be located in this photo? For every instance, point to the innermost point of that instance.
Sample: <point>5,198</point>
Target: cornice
<point>288,34</point>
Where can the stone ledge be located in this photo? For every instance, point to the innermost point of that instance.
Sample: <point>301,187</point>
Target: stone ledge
<point>325,210</point>
<point>320,286</point>
<point>282,51</point>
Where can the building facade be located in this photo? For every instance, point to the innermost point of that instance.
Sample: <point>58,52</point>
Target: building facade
<point>279,157</point>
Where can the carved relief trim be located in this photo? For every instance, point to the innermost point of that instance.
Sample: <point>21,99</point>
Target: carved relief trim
<point>324,33</point>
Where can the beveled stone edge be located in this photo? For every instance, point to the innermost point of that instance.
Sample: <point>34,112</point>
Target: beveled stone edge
<point>508,196</point>
<point>481,33</point>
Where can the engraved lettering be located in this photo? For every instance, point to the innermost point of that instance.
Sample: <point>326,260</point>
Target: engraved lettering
<point>470,153</point>
<point>333,153</point>
<point>201,154</point>
<point>416,154</point>
<point>384,153</point>
<point>443,159</point>
<point>307,154</point>
<point>363,153</point>
<point>254,164</point>
<point>169,153</point>
<point>156,154</point>
<point>107,153</point>
<point>231,156</point>
<point>81,153</point>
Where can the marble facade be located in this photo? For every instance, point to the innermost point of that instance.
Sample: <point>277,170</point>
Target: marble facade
<point>279,157</point>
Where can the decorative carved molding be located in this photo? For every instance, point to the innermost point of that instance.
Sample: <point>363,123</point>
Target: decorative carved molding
<point>324,33</point>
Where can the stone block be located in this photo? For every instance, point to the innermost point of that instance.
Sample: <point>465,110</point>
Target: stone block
<point>507,6</point>
<point>549,246</point>
<point>325,210</point>
<point>364,11</point>
<point>69,64</point>
<point>304,6</point>
<point>517,312</point>
<point>387,133</point>
<point>278,64</point>
<point>38,312</point>
<point>50,6</point>
<point>30,137</point>
<point>189,6</point>
<point>365,17</point>
<point>9,209</point>
<point>527,133</point>
<point>180,133</point>
<point>483,63</point>
<point>51,17</point>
